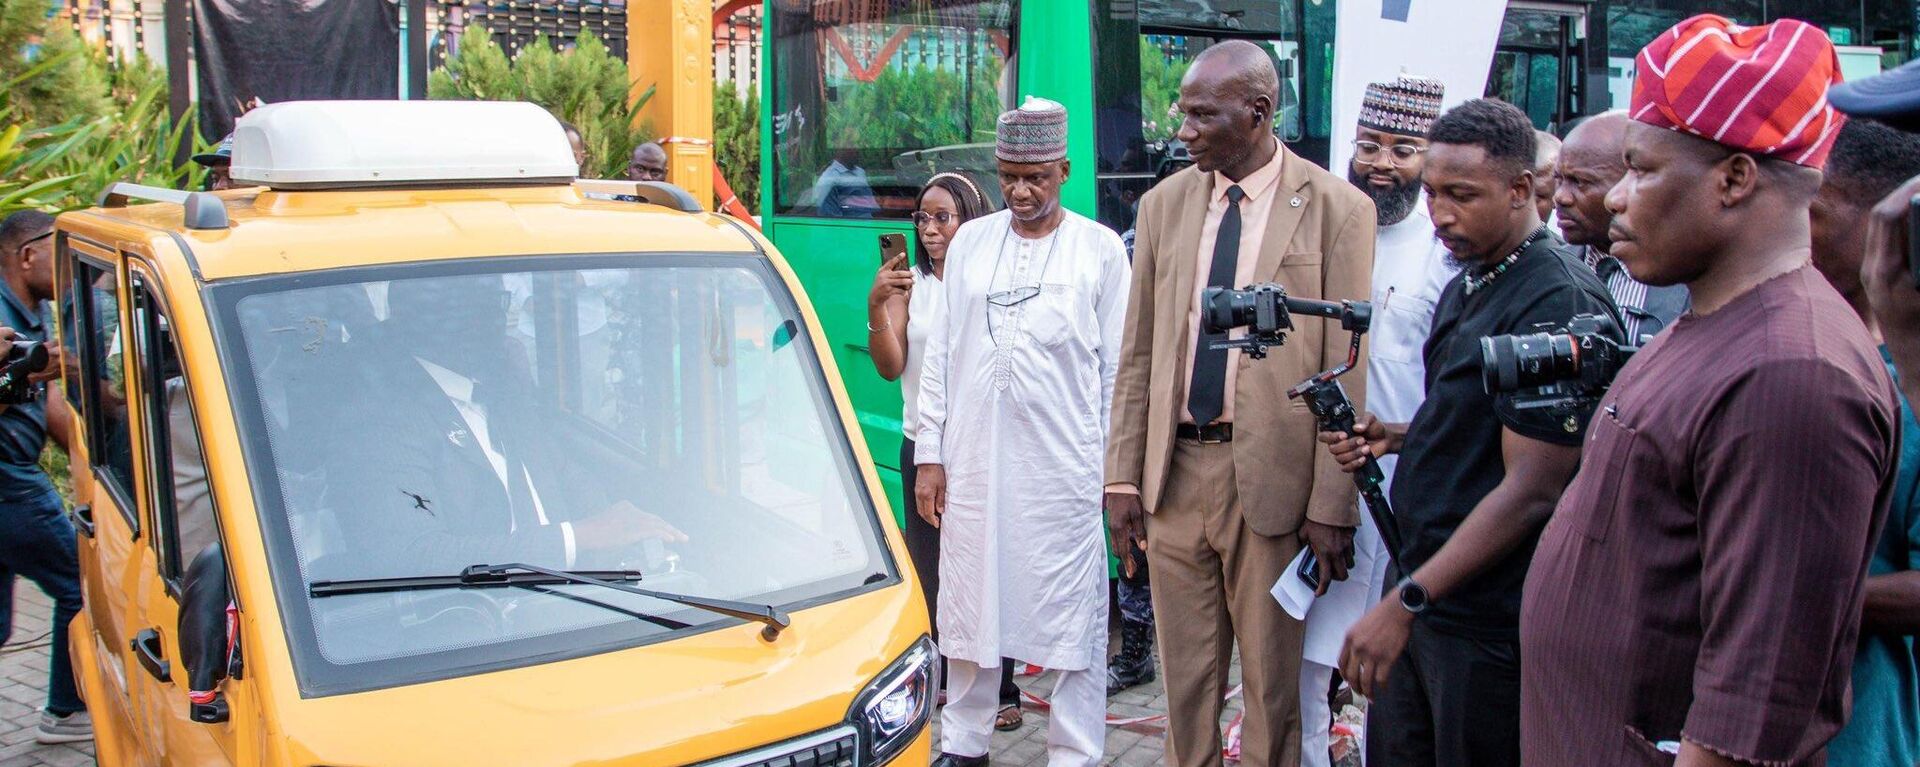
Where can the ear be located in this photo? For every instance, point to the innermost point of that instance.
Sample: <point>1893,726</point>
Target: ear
<point>1736,179</point>
<point>1262,112</point>
<point>1066,170</point>
<point>1520,192</point>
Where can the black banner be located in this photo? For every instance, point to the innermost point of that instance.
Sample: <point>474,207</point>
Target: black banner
<point>289,50</point>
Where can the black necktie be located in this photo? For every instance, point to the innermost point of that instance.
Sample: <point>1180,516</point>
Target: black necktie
<point>1208,390</point>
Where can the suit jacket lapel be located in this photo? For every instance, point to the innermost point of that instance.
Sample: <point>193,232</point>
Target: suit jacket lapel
<point>1186,253</point>
<point>1284,217</point>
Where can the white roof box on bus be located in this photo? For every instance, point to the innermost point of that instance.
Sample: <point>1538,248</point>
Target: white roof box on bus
<point>351,144</point>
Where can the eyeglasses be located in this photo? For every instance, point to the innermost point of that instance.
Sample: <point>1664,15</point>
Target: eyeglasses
<point>921,218</point>
<point>1403,154</point>
<point>1013,296</point>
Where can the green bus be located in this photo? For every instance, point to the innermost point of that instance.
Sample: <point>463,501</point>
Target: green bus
<point>865,99</point>
<point>862,100</point>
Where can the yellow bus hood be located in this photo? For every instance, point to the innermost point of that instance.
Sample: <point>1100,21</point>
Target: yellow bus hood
<point>671,703</point>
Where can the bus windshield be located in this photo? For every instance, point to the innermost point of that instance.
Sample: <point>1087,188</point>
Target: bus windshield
<point>658,414</point>
<point>871,99</point>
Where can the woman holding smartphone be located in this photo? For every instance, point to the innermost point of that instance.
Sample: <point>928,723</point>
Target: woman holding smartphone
<point>900,310</point>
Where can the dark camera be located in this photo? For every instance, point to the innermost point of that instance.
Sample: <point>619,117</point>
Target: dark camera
<point>1266,311</point>
<point>1261,309</point>
<point>24,358</point>
<point>1559,367</point>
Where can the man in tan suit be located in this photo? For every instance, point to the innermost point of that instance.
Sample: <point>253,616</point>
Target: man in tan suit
<point>1207,458</point>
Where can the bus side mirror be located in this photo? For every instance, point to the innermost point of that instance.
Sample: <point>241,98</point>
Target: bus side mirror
<point>206,644</point>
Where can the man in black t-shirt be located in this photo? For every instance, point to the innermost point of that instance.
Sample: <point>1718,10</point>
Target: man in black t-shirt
<point>1478,474</point>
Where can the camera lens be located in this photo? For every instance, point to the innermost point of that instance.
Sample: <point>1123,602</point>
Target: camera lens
<point>1511,363</point>
<point>1225,309</point>
<point>32,353</point>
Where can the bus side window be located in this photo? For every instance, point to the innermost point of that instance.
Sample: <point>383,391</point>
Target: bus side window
<point>183,515</point>
<point>855,135</point>
<point>73,294</point>
<point>99,372</point>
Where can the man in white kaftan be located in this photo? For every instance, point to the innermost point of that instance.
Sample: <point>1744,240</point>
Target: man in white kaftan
<point>1014,399</point>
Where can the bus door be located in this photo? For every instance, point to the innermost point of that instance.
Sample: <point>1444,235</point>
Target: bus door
<point>1538,62</point>
<point>1143,49</point>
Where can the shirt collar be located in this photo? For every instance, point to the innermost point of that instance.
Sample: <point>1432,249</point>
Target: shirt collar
<point>30,316</point>
<point>1257,183</point>
<point>455,385</point>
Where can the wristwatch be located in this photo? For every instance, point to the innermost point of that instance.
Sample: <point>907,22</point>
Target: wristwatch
<point>1413,596</point>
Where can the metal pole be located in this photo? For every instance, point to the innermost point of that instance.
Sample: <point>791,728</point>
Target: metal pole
<point>413,54</point>
<point>179,23</point>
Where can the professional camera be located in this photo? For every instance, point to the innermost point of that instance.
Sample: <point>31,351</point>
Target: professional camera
<point>1266,312</point>
<point>1559,368</point>
<point>24,358</point>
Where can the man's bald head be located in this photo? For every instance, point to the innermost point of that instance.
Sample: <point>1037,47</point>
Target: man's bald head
<point>1242,69</point>
<point>1228,97</point>
<point>649,163</point>
<point>1597,140</point>
<point>1590,164</point>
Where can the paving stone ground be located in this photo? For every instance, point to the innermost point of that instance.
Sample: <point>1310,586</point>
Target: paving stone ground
<point>23,679</point>
<point>1134,745</point>
<point>23,686</point>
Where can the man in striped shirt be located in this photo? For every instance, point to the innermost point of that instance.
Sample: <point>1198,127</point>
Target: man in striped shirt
<point>1589,165</point>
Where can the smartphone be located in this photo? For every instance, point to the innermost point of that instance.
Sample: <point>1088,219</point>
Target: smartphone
<point>1309,572</point>
<point>892,245</point>
<point>1913,239</point>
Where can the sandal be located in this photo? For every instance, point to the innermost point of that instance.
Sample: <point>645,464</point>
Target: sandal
<point>1009,718</point>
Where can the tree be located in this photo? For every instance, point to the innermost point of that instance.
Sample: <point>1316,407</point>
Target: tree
<point>1159,91</point>
<point>736,142</point>
<point>584,85</point>
<point>73,83</point>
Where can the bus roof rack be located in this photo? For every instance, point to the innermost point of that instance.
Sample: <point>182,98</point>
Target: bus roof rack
<point>651,192</point>
<point>203,210</point>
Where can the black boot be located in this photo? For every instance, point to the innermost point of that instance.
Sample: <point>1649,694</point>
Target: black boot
<point>955,760</point>
<point>1134,665</point>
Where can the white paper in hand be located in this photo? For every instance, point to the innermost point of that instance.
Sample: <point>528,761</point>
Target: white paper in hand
<point>1292,593</point>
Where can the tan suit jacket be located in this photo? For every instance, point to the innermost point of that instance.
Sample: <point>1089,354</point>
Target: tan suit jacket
<point>1321,248</point>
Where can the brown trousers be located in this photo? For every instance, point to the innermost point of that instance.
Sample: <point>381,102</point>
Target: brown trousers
<point>1212,577</point>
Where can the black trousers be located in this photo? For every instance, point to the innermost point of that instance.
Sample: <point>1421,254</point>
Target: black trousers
<point>923,546</point>
<point>1450,701</point>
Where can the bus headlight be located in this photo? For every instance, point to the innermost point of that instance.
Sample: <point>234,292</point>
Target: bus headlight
<point>897,704</point>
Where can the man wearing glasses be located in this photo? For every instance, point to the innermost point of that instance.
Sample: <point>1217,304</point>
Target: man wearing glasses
<point>1014,396</point>
<point>1410,270</point>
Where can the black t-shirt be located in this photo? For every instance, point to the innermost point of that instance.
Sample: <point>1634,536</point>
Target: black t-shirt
<point>1451,458</point>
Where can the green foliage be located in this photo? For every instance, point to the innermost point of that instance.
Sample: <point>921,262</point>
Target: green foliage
<point>736,142</point>
<point>1159,90</point>
<point>914,108</point>
<point>586,85</point>
<point>74,81</point>
<point>63,165</point>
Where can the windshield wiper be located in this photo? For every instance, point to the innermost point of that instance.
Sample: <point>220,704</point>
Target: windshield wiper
<point>522,574</point>
<point>467,578</point>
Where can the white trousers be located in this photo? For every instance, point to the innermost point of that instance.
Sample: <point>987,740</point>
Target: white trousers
<point>1316,717</point>
<point>1076,727</point>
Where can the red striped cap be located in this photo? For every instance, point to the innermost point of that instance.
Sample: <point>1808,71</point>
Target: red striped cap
<point>1758,89</point>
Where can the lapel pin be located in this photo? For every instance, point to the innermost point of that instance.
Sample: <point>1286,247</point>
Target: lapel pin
<point>458,437</point>
<point>1295,202</point>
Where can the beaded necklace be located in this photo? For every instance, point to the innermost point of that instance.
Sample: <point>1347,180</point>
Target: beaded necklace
<point>1478,282</point>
